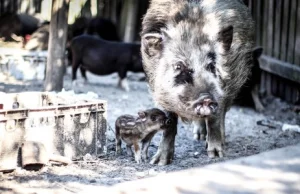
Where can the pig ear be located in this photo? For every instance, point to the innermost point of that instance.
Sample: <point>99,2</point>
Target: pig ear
<point>152,43</point>
<point>142,114</point>
<point>225,36</point>
<point>257,52</point>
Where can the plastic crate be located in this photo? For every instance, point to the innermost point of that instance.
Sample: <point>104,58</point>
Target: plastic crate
<point>66,126</point>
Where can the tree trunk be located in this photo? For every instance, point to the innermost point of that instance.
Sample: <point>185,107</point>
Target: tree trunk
<point>86,9</point>
<point>100,8</point>
<point>57,44</point>
<point>113,11</point>
<point>132,6</point>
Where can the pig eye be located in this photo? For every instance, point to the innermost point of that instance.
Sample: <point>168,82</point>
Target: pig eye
<point>153,118</point>
<point>178,66</point>
<point>190,72</point>
<point>211,67</point>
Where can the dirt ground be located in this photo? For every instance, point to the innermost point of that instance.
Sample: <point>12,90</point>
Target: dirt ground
<point>244,138</point>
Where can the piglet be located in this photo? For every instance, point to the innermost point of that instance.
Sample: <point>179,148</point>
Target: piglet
<point>139,131</point>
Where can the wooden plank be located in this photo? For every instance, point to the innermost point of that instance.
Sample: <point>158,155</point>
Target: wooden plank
<point>294,94</point>
<point>280,68</point>
<point>278,11</point>
<point>281,88</point>
<point>297,45</point>
<point>258,23</point>
<point>274,85</point>
<point>270,29</point>
<point>265,25</point>
<point>253,13</point>
<point>292,33</point>
<point>263,83</point>
<point>284,35</point>
<point>1,7</point>
<point>288,92</point>
<point>250,5</point>
<point>268,83</point>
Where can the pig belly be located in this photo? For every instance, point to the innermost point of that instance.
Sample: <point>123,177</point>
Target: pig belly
<point>98,66</point>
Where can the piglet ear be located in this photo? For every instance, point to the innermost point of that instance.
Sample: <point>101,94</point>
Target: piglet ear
<point>225,36</point>
<point>152,44</point>
<point>142,114</point>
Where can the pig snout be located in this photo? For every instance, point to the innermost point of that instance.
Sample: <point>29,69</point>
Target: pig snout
<point>205,105</point>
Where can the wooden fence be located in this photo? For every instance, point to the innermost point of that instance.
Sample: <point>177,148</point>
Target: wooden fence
<point>278,32</point>
<point>20,6</point>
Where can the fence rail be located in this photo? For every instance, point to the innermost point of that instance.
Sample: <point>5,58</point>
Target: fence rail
<point>278,32</point>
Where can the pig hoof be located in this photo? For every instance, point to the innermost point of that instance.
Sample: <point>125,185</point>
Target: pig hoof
<point>202,137</point>
<point>160,159</point>
<point>138,161</point>
<point>197,136</point>
<point>123,84</point>
<point>74,83</point>
<point>259,109</point>
<point>214,150</point>
<point>221,154</point>
<point>214,154</point>
<point>118,152</point>
<point>145,159</point>
<point>211,154</point>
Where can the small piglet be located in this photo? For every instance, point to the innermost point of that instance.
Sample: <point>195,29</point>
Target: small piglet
<point>139,130</point>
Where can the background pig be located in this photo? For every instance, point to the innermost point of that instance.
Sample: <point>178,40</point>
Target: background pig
<point>249,93</point>
<point>140,130</point>
<point>39,39</point>
<point>78,28</point>
<point>103,28</point>
<point>196,55</point>
<point>97,26</point>
<point>12,25</point>
<point>103,57</point>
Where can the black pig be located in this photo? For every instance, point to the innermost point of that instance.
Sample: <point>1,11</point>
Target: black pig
<point>103,57</point>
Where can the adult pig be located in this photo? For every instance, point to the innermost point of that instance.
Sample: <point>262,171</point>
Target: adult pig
<point>39,39</point>
<point>103,57</point>
<point>12,24</point>
<point>196,55</point>
<point>104,28</point>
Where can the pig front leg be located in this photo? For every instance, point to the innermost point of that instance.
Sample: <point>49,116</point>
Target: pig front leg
<point>118,141</point>
<point>137,152</point>
<point>83,73</point>
<point>257,103</point>
<point>165,152</point>
<point>129,150</point>
<point>214,137</point>
<point>145,145</point>
<point>199,130</point>
<point>123,83</point>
